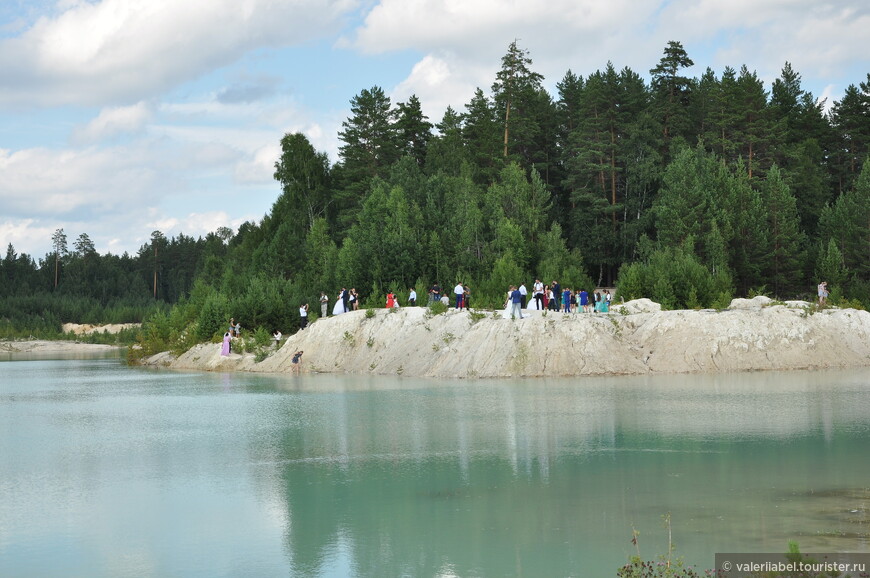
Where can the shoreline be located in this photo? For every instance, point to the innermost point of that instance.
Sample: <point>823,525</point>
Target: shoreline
<point>635,338</point>
<point>47,347</point>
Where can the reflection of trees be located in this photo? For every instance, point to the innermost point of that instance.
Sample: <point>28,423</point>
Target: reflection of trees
<point>508,481</point>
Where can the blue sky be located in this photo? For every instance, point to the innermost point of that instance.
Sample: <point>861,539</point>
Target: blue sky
<point>121,117</point>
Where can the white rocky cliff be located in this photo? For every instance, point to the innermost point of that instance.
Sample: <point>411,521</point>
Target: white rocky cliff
<point>635,338</point>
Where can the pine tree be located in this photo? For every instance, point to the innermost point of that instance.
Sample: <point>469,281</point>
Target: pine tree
<point>724,119</point>
<point>447,152</point>
<point>58,242</point>
<point>482,137</point>
<point>514,92</point>
<point>850,117</point>
<point>671,91</point>
<point>785,238</point>
<point>755,130</point>
<point>847,222</point>
<point>370,147</point>
<point>413,130</point>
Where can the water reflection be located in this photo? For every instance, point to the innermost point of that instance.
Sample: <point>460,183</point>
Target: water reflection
<point>153,473</point>
<point>545,477</point>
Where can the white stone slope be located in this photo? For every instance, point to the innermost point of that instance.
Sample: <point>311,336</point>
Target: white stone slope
<point>635,338</point>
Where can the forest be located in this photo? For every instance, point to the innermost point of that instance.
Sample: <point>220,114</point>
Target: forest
<point>689,191</point>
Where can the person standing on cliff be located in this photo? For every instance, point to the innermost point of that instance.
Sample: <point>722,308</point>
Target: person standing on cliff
<point>459,293</point>
<point>225,347</point>
<point>324,305</point>
<point>523,293</point>
<point>435,293</point>
<point>412,297</point>
<point>303,317</point>
<point>516,303</point>
<point>538,294</point>
<point>823,293</point>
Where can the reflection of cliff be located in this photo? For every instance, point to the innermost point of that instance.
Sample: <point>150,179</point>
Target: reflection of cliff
<point>520,481</point>
<point>409,342</point>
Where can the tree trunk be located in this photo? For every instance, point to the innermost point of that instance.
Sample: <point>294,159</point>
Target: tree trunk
<point>507,114</point>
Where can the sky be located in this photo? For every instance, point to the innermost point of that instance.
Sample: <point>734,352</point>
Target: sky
<point>123,117</point>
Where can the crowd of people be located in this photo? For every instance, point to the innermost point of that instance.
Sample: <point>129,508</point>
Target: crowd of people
<point>554,297</point>
<point>347,300</point>
<point>543,298</point>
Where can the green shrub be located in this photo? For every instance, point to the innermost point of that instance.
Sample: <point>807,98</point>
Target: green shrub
<point>475,316</point>
<point>436,308</point>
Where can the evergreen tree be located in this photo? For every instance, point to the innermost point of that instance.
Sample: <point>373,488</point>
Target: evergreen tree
<point>482,137</point>
<point>848,223</point>
<point>58,242</point>
<point>517,91</point>
<point>525,202</point>
<point>369,148</point>
<point>850,117</point>
<point>830,267</point>
<point>304,176</point>
<point>755,130</point>
<point>447,151</point>
<point>413,130</point>
<point>744,211</point>
<point>723,123</point>
<point>671,91</point>
<point>785,238</point>
<point>695,185</point>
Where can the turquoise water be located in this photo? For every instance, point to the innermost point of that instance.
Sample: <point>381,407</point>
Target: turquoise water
<point>114,471</point>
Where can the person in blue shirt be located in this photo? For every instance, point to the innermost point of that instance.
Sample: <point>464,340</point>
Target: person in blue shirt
<point>566,300</point>
<point>516,303</point>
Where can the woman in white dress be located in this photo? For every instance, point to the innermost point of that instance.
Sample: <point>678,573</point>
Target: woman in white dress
<point>338,308</point>
<point>506,313</point>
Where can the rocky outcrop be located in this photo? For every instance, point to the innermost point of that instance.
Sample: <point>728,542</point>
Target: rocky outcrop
<point>754,334</point>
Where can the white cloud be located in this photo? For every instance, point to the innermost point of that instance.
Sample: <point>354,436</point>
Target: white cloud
<point>115,121</point>
<point>45,182</point>
<point>471,27</point>
<point>203,155</point>
<point>117,51</point>
<point>820,39</point>
<point>24,233</point>
<point>260,168</point>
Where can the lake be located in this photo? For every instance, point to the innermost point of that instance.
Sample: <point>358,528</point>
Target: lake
<point>112,471</point>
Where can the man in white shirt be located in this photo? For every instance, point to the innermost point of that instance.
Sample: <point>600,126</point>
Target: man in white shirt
<point>303,316</point>
<point>538,293</point>
<point>459,291</point>
<point>412,298</point>
<point>523,293</point>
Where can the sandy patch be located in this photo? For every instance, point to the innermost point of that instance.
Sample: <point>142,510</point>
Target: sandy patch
<point>52,347</point>
<point>87,329</point>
